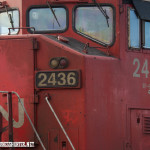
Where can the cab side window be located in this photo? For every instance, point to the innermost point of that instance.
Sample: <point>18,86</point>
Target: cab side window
<point>138,31</point>
<point>91,23</point>
<point>44,20</point>
<point>147,34</point>
<point>134,30</point>
<point>9,20</point>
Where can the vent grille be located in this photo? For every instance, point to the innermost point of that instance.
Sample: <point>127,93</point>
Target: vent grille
<point>146,124</point>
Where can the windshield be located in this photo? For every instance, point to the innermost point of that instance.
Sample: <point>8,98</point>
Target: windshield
<point>91,22</point>
<point>5,22</point>
<point>44,20</point>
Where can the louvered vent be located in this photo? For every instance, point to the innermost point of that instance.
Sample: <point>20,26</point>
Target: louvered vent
<point>146,124</point>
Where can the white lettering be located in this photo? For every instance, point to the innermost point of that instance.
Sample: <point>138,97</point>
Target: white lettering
<point>20,115</point>
<point>139,70</point>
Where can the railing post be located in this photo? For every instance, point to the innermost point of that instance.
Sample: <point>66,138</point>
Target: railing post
<point>1,126</point>
<point>10,119</point>
<point>9,97</point>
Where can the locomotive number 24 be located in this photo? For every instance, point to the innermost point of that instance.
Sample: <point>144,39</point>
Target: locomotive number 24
<point>139,70</point>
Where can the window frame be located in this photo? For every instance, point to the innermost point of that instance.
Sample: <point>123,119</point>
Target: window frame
<point>128,22</point>
<point>47,31</point>
<point>11,9</point>
<point>88,37</point>
<point>141,34</point>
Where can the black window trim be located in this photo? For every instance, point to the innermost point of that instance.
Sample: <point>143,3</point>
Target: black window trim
<point>11,9</point>
<point>47,31</point>
<point>88,37</point>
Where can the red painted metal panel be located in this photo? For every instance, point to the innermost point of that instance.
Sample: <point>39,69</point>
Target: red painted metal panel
<point>16,69</point>
<point>53,139</point>
<point>67,103</point>
<point>103,103</point>
<point>95,116</point>
<point>57,139</point>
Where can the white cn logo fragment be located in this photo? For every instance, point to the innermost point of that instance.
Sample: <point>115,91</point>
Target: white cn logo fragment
<point>20,115</point>
<point>146,0</point>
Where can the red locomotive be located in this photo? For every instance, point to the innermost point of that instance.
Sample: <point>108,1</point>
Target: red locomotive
<point>74,74</point>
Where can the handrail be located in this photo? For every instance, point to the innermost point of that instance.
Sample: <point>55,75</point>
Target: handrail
<point>21,28</point>
<point>51,108</point>
<point>27,117</point>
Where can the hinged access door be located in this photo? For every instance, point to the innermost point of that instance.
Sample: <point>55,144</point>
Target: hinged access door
<point>140,129</point>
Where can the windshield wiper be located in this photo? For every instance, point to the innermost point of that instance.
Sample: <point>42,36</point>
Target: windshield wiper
<point>53,13</point>
<point>10,18</point>
<point>102,11</point>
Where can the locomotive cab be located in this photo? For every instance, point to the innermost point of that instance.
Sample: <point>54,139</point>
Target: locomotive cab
<point>75,74</point>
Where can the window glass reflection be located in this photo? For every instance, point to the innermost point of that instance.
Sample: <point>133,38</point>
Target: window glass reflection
<point>147,35</point>
<point>134,30</point>
<point>90,22</point>
<point>43,19</point>
<point>5,22</point>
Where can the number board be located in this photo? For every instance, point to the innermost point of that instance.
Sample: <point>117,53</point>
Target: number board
<point>58,79</point>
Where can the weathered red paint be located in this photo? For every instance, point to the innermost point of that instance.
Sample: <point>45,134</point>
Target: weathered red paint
<point>104,114</point>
